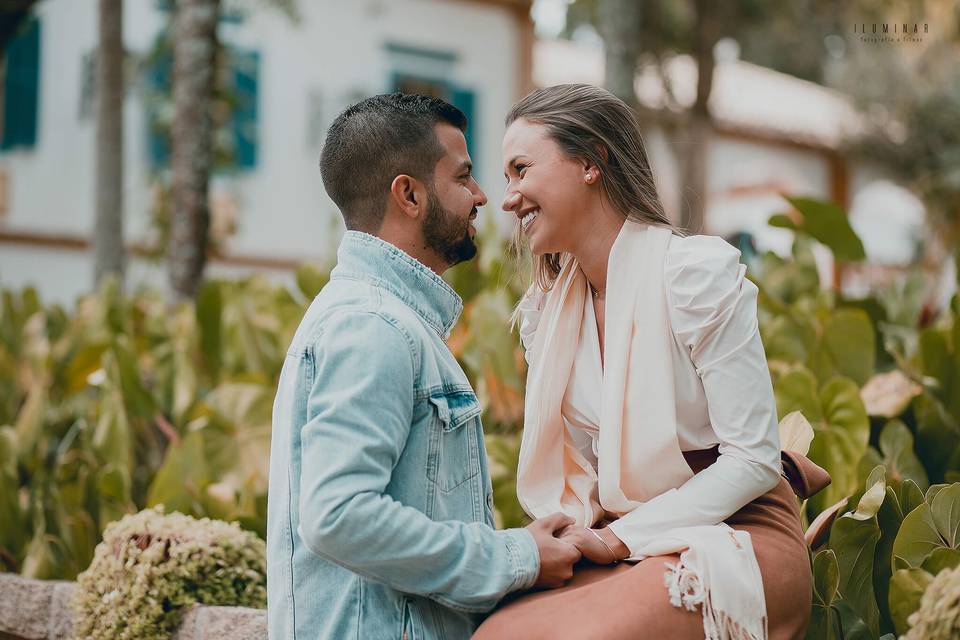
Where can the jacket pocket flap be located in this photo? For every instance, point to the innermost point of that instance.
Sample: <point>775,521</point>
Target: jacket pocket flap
<point>456,408</point>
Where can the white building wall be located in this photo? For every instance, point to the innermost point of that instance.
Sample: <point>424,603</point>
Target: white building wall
<point>335,54</point>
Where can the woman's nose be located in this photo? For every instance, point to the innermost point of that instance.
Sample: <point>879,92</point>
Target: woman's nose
<point>511,200</point>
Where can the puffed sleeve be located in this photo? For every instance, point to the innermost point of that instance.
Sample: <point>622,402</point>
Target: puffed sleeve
<point>713,311</point>
<point>529,311</point>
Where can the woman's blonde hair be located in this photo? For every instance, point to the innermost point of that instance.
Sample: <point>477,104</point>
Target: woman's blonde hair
<point>590,123</point>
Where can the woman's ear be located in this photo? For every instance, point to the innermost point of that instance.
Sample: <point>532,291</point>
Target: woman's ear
<point>408,195</point>
<point>591,170</point>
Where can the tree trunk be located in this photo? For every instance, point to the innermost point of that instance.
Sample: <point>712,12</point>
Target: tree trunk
<point>194,64</point>
<point>694,161</point>
<point>109,256</point>
<point>620,28</point>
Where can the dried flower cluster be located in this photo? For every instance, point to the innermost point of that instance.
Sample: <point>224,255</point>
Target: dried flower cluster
<point>150,566</point>
<point>938,617</point>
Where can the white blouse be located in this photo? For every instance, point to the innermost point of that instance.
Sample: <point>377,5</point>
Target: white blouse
<point>723,390</point>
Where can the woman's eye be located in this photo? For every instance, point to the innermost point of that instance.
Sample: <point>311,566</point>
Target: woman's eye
<point>521,168</point>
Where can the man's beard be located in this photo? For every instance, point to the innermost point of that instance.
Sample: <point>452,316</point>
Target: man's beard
<point>445,234</point>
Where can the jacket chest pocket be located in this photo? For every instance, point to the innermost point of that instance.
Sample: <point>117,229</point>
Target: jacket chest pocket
<point>453,456</point>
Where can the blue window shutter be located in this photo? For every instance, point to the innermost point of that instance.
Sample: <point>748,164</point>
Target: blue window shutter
<point>160,83</point>
<point>465,101</point>
<point>246,70</point>
<point>22,88</point>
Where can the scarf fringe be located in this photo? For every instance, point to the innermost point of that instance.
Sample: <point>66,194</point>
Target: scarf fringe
<point>687,590</point>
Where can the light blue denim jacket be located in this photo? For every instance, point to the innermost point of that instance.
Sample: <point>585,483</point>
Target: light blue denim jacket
<point>380,511</point>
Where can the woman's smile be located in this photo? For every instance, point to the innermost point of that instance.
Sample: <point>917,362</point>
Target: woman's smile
<point>527,219</point>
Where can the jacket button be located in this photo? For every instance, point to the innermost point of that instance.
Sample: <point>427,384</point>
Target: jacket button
<point>490,501</point>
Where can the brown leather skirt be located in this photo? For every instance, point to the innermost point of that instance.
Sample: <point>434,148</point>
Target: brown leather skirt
<point>629,601</point>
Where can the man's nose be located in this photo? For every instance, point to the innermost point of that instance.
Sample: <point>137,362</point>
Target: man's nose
<point>511,200</point>
<point>479,198</point>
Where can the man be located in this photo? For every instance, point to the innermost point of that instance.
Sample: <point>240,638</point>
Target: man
<point>380,517</point>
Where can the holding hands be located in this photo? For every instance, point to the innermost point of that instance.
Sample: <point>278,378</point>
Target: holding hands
<point>557,556</point>
<point>562,544</point>
<point>600,546</point>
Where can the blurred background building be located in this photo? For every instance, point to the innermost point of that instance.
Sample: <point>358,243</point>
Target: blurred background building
<point>291,77</point>
<point>290,72</point>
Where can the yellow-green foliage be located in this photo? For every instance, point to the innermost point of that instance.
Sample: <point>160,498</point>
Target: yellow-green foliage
<point>938,617</point>
<point>150,566</point>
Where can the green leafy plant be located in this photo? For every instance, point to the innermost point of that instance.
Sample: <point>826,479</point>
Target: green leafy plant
<point>124,403</point>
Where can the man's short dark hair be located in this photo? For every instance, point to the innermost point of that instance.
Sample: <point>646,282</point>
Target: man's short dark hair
<point>374,141</point>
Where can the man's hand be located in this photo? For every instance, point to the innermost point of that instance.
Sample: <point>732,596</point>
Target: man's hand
<point>588,544</point>
<point>557,557</point>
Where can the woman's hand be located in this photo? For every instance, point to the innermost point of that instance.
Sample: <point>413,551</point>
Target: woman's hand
<point>593,548</point>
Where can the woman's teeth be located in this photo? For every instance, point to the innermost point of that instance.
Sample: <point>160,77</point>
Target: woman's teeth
<point>526,220</point>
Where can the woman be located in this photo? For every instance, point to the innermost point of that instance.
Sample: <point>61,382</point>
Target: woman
<point>650,415</point>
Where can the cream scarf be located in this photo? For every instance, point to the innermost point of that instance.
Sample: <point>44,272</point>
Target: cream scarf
<point>640,455</point>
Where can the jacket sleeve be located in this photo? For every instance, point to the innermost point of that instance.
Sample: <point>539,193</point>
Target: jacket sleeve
<point>359,416</point>
<point>713,310</point>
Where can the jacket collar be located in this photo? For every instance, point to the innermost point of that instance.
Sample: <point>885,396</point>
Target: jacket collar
<point>365,257</point>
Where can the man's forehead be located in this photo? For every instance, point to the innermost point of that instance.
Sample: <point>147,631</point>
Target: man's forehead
<point>454,144</point>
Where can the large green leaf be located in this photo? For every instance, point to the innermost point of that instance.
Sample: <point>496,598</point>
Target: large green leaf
<point>181,480</point>
<point>945,509</point>
<point>787,281</point>
<point>933,525</point>
<point>853,626</point>
<point>789,338</point>
<point>237,436</point>
<point>840,423</point>
<point>940,559</point>
<point>113,488</point>
<point>847,346</point>
<point>906,589</point>
<point>41,561</point>
<point>917,538</point>
<point>936,441</point>
<point>113,437</point>
<point>504,456</point>
<point>854,538</point>
<point>13,534</point>
<point>935,357</point>
<point>84,362</point>
<point>828,223</point>
<point>824,618</point>
<point>209,309</point>
<point>909,495</point>
<point>310,279</point>
<point>29,424</point>
<point>491,352</point>
<point>899,458</point>
<point>889,519</point>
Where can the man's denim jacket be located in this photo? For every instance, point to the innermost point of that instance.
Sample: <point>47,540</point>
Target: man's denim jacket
<point>380,519</point>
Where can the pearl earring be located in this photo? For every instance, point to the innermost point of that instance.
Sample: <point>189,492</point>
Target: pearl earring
<point>589,178</point>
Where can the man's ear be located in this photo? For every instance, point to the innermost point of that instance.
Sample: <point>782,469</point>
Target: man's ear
<point>408,195</point>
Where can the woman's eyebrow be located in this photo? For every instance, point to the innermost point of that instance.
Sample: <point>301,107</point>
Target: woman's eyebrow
<point>510,163</point>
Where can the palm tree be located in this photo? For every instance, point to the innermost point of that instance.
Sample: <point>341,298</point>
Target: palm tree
<point>620,24</point>
<point>194,65</point>
<point>109,255</point>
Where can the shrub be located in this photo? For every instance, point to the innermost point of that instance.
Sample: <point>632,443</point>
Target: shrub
<point>150,566</point>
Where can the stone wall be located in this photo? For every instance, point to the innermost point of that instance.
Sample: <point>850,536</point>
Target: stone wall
<point>38,610</point>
